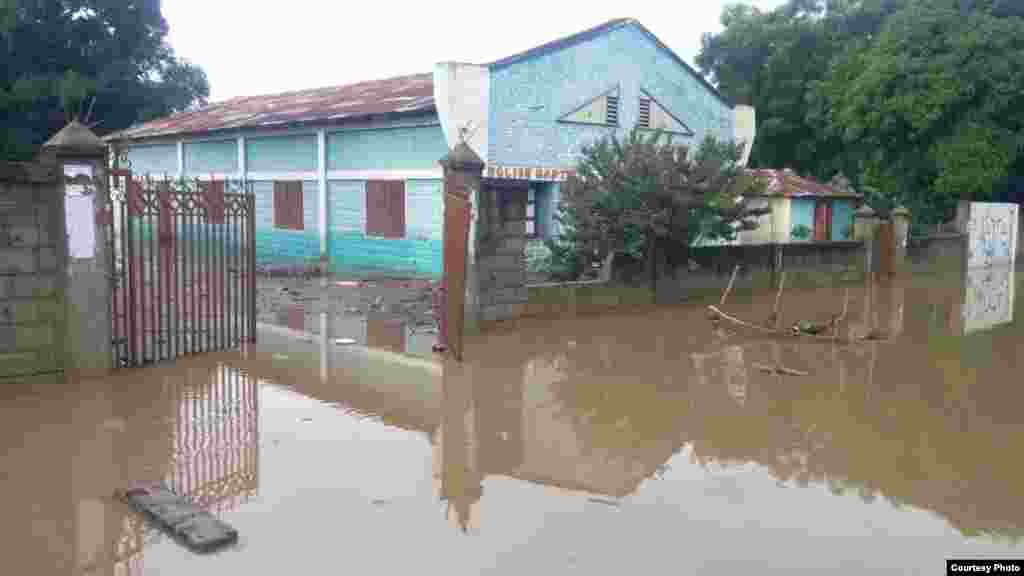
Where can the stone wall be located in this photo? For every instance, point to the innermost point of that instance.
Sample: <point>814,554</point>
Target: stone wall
<point>31,309</point>
<point>500,257</point>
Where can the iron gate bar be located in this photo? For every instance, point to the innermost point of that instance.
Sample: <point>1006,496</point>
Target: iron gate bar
<point>183,261</point>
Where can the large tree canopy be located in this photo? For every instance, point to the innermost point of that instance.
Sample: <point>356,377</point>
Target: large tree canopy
<point>106,60</point>
<point>917,101</point>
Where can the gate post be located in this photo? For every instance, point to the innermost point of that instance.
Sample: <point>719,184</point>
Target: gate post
<point>80,158</point>
<point>462,174</point>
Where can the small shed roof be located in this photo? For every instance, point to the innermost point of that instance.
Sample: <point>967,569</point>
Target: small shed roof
<point>789,184</point>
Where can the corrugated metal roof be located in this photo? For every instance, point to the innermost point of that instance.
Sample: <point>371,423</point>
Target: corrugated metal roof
<point>791,185</point>
<point>400,95</point>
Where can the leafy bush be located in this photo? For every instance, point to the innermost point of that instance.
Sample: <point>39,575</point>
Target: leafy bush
<point>801,232</point>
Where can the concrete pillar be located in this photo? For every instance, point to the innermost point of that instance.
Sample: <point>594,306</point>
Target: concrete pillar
<point>901,224</point>
<point>321,176</point>
<point>865,229</point>
<point>81,157</point>
<point>463,170</point>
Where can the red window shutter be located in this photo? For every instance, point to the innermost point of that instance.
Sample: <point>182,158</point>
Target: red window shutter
<point>397,206</point>
<point>297,207</point>
<point>288,205</point>
<point>280,203</point>
<point>385,208</point>
<point>215,202</point>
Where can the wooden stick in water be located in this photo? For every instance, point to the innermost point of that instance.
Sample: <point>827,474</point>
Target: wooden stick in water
<point>778,299</point>
<point>729,287</point>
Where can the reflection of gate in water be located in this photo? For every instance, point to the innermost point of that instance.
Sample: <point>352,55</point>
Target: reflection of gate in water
<point>183,256</point>
<point>215,460</point>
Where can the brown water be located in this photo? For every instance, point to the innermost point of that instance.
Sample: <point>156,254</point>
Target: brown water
<point>628,443</point>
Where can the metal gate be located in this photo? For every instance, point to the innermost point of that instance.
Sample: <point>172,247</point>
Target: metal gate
<point>183,262</point>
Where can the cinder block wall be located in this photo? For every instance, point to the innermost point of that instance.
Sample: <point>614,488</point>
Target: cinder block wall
<point>31,311</point>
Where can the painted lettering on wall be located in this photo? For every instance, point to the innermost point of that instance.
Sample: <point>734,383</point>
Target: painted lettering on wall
<point>528,173</point>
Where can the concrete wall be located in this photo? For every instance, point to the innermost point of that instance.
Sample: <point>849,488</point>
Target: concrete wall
<point>801,213</point>
<point>334,180</point>
<point>352,252</point>
<point>529,96</point>
<point>842,220</point>
<point>286,248</point>
<point>31,309</point>
<point>389,149</point>
<point>217,156</point>
<point>154,159</point>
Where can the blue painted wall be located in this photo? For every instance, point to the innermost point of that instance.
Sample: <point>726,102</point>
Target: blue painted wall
<point>842,218</point>
<point>202,158</point>
<point>154,159</point>
<point>802,212</point>
<point>528,97</point>
<point>353,253</point>
<point>281,153</point>
<point>386,149</point>
<point>280,248</point>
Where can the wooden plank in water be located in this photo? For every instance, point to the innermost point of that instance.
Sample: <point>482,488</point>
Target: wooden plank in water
<point>192,527</point>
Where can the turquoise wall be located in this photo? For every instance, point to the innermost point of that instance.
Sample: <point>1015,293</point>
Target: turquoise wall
<point>424,209</point>
<point>353,253</point>
<point>386,149</point>
<point>155,159</point>
<point>842,218</point>
<point>528,98</point>
<point>283,248</point>
<point>802,212</point>
<point>220,156</point>
<point>281,153</point>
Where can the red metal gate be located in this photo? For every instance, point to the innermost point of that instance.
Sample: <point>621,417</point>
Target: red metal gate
<point>183,261</point>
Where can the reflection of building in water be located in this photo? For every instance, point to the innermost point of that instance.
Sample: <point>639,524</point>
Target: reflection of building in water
<point>200,438</point>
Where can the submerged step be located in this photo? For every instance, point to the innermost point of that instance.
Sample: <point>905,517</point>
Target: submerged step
<point>191,526</point>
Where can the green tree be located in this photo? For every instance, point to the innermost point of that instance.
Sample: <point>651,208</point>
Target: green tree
<point>933,109</point>
<point>104,60</point>
<point>647,197</point>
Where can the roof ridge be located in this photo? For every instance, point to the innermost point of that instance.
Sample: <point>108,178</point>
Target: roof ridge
<point>564,41</point>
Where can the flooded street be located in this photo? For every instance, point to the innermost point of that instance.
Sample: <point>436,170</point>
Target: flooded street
<point>639,442</point>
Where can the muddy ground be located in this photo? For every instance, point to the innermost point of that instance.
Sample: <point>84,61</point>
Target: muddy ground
<point>409,300</point>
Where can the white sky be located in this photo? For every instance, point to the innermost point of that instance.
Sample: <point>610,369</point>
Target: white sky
<point>249,48</point>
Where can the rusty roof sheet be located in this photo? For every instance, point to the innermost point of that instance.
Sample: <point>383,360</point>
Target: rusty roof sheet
<point>400,95</point>
<point>791,185</point>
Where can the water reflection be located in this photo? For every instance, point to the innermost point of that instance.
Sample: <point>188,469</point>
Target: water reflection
<point>68,446</point>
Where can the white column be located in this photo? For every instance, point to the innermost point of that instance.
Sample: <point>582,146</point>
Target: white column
<point>181,158</point>
<point>242,170</point>
<point>321,173</point>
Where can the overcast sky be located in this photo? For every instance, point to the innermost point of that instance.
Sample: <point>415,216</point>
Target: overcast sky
<point>249,48</point>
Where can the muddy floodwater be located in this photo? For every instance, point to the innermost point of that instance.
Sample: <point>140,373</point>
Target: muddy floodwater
<point>641,442</point>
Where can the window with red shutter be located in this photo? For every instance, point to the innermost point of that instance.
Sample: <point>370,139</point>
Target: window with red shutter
<point>385,208</point>
<point>288,205</point>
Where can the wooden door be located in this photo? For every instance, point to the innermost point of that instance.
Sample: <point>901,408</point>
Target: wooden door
<point>822,220</point>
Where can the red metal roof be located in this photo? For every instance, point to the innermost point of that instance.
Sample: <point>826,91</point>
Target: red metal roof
<point>791,185</point>
<point>401,95</point>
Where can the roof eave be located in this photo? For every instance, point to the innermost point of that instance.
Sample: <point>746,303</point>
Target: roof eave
<point>327,122</point>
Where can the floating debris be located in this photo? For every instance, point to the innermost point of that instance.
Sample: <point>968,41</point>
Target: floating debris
<point>344,341</point>
<point>605,501</point>
<point>189,525</point>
